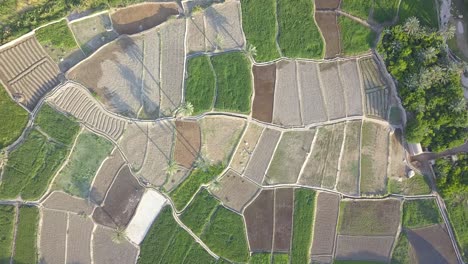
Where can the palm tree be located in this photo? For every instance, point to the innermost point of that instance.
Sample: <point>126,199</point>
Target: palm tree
<point>412,26</point>
<point>215,186</point>
<point>251,51</point>
<point>118,235</point>
<point>430,54</point>
<point>171,168</point>
<point>219,41</point>
<point>449,33</point>
<point>202,163</point>
<point>186,109</point>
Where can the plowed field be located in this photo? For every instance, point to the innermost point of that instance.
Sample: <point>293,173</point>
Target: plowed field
<point>105,176</point>
<point>264,84</point>
<point>326,218</point>
<point>259,220</point>
<point>286,110</point>
<point>327,22</point>
<point>53,236</point>
<point>284,202</point>
<point>79,239</point>
<point>188,141</point>
<point>246,147</point>
<point>235,191</point>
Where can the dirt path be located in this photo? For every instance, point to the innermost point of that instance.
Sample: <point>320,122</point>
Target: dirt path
<point>427,156</point>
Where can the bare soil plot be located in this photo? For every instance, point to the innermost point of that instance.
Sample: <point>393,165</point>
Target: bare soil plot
<point>106,251</point>
<point>259,220</point>
<point>235,191</point>
<point>134,144</point>
<point>290,154</point>
<point>348,179</point>
<point>376,90</point>
<point>246,147</point>
<point>332,90</point>
<point>328,24</point>
<point>176,179</point>
<point>80,230</point>
<point>121,200</point>
<point>106,174</point>
<point>262,154</point>
<point>432,244</point>
<point>367,217</point>
<point>264,84</point>
<point>286,110</point>
<point>364,248</point>
<point>326,218</point>
<point>312,101</point>
<point>188,142</point>
<point>136,18</point>
<point>93,32</point>
<point>196,32</point>
<point>65,202</point>
<point>374,158</point>
<point>352,87</point>
<point>27,71</point>
<point>397,166</point>
<point>75,100</point>
<point>53,237</point>
<point>284,203</point>
<point>322,259</point>
<point>330,172</point>
<point>327,4</point>
<point>370,73</point>
<point>218,144</point>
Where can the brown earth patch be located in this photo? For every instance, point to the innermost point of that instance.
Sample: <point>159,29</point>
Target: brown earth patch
<point>105,250</point>
<point>53,237</point>
<point>284,202</point>
<point>79,239</point>
<point>364,248</point>
<point>327,4</point>
<point>137,18</point>
<point>327,23</point>
<point>259,222</point>
<point>188,142</point>
<point>326,218</point>
<point>264,84</point>
<point>65,202</point>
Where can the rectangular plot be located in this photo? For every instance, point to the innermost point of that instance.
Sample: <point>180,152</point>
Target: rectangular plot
<point>397,156</point>
<point>79,239</point>
<point>332,90</point>
<point>348,180</point>
<point>326,217</point>
<point>327,22</point>
<point>246,147</point>
<point>58,200</point>
<point>377,102</point>
<point>286,110</point>
<point>312,102</point>
<point>264,84</point>
<point>312,175</point>
<point>26,235</point>
<point>7,221</point>
<point>196,33</point>
<point>262,154</point>
<point>188,141</point>
<point>370,73</point>
<point>333,155</point>
<point>284,201</point>
<point>352,87</point>
<point>105,176</point>
<point>259,221</point>
<point>106,250</point>
<point>364,248</point>
<point>53,236</point>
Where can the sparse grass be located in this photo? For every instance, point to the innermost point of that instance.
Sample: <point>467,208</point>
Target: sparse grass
<point>304,203</point>
<point>299,36</point>
<point>197,212</point>
<point>57,125</point>
<point>415,186</point>
<point>7,222</point>
<point>280,258</point>
<point>401,252</point>
<point>383,11</point>
<point>89,152</point>
<point>260,258</point>
<point>26,235</point>
<point>225,235</point>
<point>200,90</point>
<point>12,117</point>
<point>57,36</point>
<point>424,10</point>
<point>259,24</point>
<point>234,82</point>
<point>355,37</point>
<point>420,213</point>
<point>184,192</point>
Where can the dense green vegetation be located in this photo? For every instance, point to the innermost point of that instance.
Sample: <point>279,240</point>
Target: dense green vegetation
<point>7,221</point>
<point>401,252</point>
<point>31,166</point>
<point>304,203</point>
<point>259,25</point>
<point>197,254</point>
<point>383,11</point>
<point>429,86</point>
<point>260,258</point>
<point>280,258</point>
<point>234,82</point>
<point>299,36</point>
<point>26,235</point>
<point>184,192</point>
<point>57,125</point>
<point>424,10</point>
<point>199,210</point>
<point>200,90</point>
<point>355,37</point>
<point>13,119</point>
<point>57,36</point>
<point>417,185</point>
<point>89,152</point>
<point>420,213</point>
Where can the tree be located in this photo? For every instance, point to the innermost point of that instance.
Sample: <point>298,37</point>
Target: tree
<point>186,109</point>
<point>251,51</point>
<point>118,236</point>
<point>172,168</point>
<point>412,26</point>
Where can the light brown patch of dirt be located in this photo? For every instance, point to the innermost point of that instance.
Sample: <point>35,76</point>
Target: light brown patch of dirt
<point>327,23</point>
<point>188,141</point>
<point>264,83</point>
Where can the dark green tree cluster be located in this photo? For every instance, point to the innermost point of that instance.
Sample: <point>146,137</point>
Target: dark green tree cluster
<point>428,84</point>
<point>452,176</point>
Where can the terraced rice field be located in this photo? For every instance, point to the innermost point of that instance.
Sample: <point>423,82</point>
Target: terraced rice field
<point>105,176</point>
<point>53,236</point>
<point>328,25</point>
<point>28,72</point>
<point>246,147</point>
<point>348,179</point>
<point>326,219</point>
<point>259,220</point>
<point>364,248</point>
<point>286,110</point>
<point>375,88</point>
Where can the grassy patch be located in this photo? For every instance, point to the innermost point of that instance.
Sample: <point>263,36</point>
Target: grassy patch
<point>7,221</point>
<point>357,8</point>
<point>280,258</point>
<point>197,212</point>
<point>420,213</point>
<point>234,82</point>
<point>304,202</point>
<point>57,125</point>
<point>89,152</point>
<point>299,36</point>
<point>225,235</point>
<point>424,10</point>
<point>184,192</point>
<point>259,24</point>
<point>382,11</point>
<point>12,117</point>
<point>26,235</point>
<point>31,166</point>
<point>415,186</point>
<point>57,36</point>
<point>401,252</point>
<point>178,248</point>
<point>200,90</point>
<point>355,37</point>
<point>458,214</point>
<point>260,258</point>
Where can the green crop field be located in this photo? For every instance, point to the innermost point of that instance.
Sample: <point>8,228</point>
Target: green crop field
<point>198,254</point>
<point>383,11</point>
<point>31,166</point>
<point>260,258</point>
<point>184,192</point>
<point>201,85</point>
<point>280,258</point>
<point>26,235</point>
<point>57,125</point>
<point>357,8</point>
<point>424,10</point>
<point>299,36</point>
<point>199,210</point>
<point>417,185</point>
<point>13,119</point>
<point>420,213</point>
<point>89,152</point>
<point>401,252</point>
<point>7,221</point>
<point>225,235</point>
<point>355,37</point>
<point>178,248</point>
<point>259,25</point>
<point>234,82</point>
<point>304,203</point>
<point>57,39</point>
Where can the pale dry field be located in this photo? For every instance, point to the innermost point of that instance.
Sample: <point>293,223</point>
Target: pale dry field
<point>53,237</point>
<point>364,248</point>
<point>246,147</point>
<point>79,239</point>
<point>286,110</point>
<point>58,200</point>
<point>314,109</point>
<point>348,181</point>
<point>352,87</point>
<point>326,219</point>
<point>134,143</point>
<point>333,90</point>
